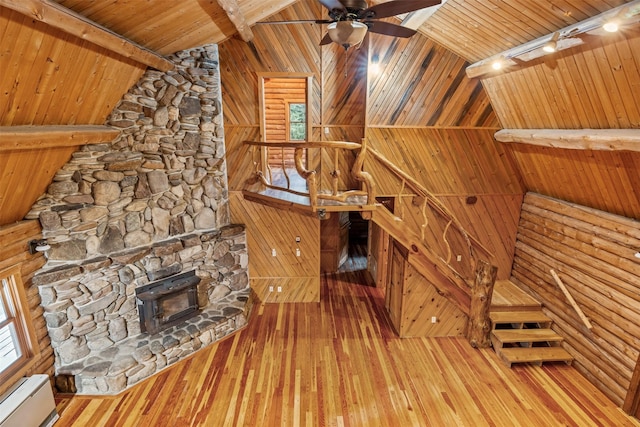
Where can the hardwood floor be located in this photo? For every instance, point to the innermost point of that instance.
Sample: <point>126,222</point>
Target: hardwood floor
<point>339,363</point>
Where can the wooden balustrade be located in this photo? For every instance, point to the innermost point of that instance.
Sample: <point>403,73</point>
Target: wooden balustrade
<point>315,194</point>
<point>431,201</point>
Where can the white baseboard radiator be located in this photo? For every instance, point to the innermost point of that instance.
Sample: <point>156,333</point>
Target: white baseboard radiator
<point>29,403</point>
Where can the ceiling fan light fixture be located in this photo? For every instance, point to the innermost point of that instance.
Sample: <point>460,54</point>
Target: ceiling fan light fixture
<point>347,33</point>
<point>552,45</point>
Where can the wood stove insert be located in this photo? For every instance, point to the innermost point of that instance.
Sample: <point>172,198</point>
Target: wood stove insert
<point>168,302</point>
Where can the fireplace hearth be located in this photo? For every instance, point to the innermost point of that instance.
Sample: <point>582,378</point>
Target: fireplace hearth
<point>168,302</point>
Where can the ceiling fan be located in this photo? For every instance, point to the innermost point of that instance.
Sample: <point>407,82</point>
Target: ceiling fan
<point>352,19</point>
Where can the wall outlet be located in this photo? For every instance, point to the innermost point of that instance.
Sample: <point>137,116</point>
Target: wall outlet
<point>297,251</point>
<point>434,319</point>
<point>270,288</point>
<point>326,130</point>
<point>273,252</point>
<point>279,288</point>
<point>459,258</point>
<point>297,239</point>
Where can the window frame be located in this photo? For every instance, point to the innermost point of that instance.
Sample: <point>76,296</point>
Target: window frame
<point>264,156</point>
<point>12,287</point>
<point>289,121</point>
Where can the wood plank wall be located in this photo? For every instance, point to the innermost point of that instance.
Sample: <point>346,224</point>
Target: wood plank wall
<point>337,105</point>
<point>14,251</point>
<point>429,119</point>
<point>50,78</point>
<point>593,253</point>
<point>270,228</point>
<point>594,86</point>
<point>455,164</point>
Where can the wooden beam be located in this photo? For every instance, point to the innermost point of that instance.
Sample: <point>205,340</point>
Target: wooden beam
<point>236,16</point>
<point>20,138</point>
<point>70,22</point>
<point>575,139</point>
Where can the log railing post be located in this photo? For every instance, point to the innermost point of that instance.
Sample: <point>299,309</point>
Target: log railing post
<point>479,326</point>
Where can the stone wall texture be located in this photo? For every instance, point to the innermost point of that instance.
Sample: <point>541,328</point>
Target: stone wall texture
<point>121,214</point>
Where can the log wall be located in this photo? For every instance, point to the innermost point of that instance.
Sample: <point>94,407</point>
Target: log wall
<point>14,240</point>
<point>593,254</point>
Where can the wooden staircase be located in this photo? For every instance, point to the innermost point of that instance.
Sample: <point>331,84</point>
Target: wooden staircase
<point>521,332</point>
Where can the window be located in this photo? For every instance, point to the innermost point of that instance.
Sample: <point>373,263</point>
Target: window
<point>16,345</point>
<point>297,122</point>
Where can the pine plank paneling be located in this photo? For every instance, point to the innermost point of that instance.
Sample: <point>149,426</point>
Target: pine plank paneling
<point>271,51</point>
<point>50,77</point>
<point>607,181</point>
<point>167,27</point>
<point>445,161</point>
<point>344,84</point>
<point>593,253</point>
<point>422,84</point>
<point>240,157</point>
<point>593,86</point>
<point>270,228</point>
<point>477,29</point>
<point>25,176</point>
<point>338,362</point>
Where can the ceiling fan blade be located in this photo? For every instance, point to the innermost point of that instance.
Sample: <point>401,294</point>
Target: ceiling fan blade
<point>393,8</point>
<point>297,21</point>
<point>326,40</point>
<point>389,29</point>
<point>332,4</point>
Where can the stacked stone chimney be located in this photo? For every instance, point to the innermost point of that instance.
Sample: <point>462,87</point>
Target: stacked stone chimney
<point>150,204</point>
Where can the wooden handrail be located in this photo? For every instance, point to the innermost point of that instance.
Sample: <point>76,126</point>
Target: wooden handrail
<point>345,145</point>
<point>310,176</point>
<point>569,297</point>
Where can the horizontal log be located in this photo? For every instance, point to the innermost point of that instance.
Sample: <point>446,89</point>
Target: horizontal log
<point>574,139</point>
<point>597,250</point>
<point>19,138</point>
<point>58,16</point>
<point>307,144</point>
<point>614,227</point>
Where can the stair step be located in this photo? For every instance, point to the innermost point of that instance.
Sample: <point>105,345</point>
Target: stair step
<point>507,296</point>
<point>526,335</point>
<point>536,355</point>
<point>519,317</point>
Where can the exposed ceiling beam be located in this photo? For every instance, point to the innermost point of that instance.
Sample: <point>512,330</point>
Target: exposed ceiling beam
<point>236,16</point>
<point>20,138</point>
<point>575,139</point>
<point>66,20</point>
<point>628,14</point>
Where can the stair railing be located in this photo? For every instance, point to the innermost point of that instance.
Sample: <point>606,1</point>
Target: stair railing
<point>432,202</point>
<point>314,193</point>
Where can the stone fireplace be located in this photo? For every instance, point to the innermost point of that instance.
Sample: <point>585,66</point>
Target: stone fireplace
<point>125,215</point>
